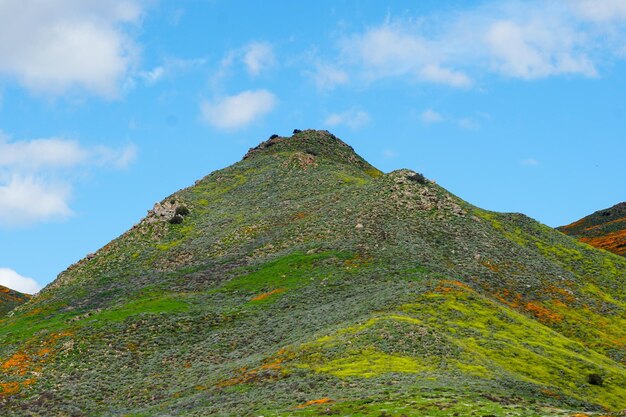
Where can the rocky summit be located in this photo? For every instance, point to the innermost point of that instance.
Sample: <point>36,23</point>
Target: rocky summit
<point>302,281</point>
<point>605,229</point>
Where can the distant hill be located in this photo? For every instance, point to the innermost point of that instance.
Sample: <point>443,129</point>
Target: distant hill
<point>302,281</point>
<point>9,299</point>
<point>604,229</point>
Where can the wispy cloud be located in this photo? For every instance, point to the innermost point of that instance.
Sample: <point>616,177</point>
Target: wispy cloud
<point>530,162</point>
<point>170,67</point>
<point>353,118</point>
<point>599,10</point>
<point>255,57</point>
<point>390,153</point>
<point>512,39</point>
<point>53,47</point>
<point>327,77</point>
<point>11,279</point>
<point>396,50</point>
<point>468,123</point>
<point>35,176</point>
<point>430,116</point>
<point>239,110</point>
<point>258,56</point>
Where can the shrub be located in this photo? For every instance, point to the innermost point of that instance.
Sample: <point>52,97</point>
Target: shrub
<point>274,136</point>
<point>418,178</point>
<point>177,219</point>
<point>296,131</point>
<point>595,379</point>
<point>182,211</point>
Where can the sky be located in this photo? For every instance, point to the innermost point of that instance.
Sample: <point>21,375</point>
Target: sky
<point>108,106</point>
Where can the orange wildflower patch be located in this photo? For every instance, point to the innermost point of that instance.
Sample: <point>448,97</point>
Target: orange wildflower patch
<point>494,267</point>
<point>9,388</point>
<point>28,360</point>
<point>316,402</point>
<point>613,242</point>
<point>272,369</point>
<point>562,294</point>
<point>17,364</point>
<point>550,393</point>
<point>447,286</point>
<point>268,294</point>
<point>509,298</point>
<point>541,313</point>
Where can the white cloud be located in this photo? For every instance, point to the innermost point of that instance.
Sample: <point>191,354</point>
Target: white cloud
<point>35,176</point>
<point>599,10</point>
<point>353,118</point>
<point>255,57</point>
<point>399,50</point>
<point>45,153</point>
<point>39,153</point>
<point>119,158</point>
<point>513,39</point>
<point>326,77</point>
<point>25,200</point>
<point>154,75</point>
<point>436,74</point>
<point>536,50</point>
<point>11,279</point>
<point>169,67</point>
<point>52,47</point>
<point>258,56</point>
<point>239,110</point>
<point>429,116</point>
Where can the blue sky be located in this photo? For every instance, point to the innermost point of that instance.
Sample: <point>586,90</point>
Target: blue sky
<point>107,107</point>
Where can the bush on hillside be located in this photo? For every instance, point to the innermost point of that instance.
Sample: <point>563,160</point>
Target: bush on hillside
<point>177,219</point>
<point>182,211</point>
<point>595,379</point>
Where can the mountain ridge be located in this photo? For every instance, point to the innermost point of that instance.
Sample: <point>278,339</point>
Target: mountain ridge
<point>301,281</point>
<point>604,229</point>
<point>9,299</point>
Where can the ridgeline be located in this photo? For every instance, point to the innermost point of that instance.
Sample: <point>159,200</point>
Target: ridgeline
<point>302,281</point>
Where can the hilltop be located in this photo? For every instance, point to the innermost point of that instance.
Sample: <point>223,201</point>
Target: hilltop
<point>9,299</point>
<point>605,229</point>
<point>303,281</point>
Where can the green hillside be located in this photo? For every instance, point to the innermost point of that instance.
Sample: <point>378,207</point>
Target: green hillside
<point>302,281</point>
<point>605,229</point>
<point>9,299</point>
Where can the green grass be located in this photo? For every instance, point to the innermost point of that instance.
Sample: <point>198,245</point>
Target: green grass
<point>317,276</point>
<point>164,304</point>
<point>285,272</point>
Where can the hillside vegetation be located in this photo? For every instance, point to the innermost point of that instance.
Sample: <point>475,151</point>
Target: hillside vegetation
<point>604,229</point>
<point>302,281</point>
<point>9,299</point>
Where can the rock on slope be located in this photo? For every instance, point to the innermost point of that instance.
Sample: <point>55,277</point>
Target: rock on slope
<point>9,299</point>
<point>302,281</point>
<point>605,229</point>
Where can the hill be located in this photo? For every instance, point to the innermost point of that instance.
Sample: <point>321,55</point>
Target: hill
<point>9,299</point>
<point>302,281</point>
<point>605,229</point>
